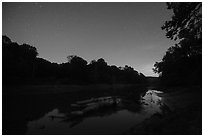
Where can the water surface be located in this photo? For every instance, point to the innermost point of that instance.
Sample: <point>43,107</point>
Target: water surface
<point>109,121</point>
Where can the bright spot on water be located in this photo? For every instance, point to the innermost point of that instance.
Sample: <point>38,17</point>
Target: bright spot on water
<point>114,122</point>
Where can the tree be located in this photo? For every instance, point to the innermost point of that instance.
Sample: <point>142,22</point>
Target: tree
<point>76,69</point>
<point>75,60</point>
<point>6,40</point>
<point>183,59</point>
<point>21,65</point>
<point>186,21</point>
<point>18,61</point>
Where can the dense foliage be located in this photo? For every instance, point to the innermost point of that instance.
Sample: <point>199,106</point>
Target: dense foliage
<point>22,66</point>
<point>182,63</point>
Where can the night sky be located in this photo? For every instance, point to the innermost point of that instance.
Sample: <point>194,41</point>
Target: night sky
<point>121,33</point>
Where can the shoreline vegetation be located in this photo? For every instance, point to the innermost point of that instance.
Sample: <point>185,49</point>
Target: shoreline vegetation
<point>62,88</point>
<point>22,66</point>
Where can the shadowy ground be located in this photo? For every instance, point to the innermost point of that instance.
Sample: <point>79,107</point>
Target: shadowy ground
<point>184,117</point>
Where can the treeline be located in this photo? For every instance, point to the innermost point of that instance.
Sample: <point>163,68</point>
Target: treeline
<point>182,63</point>
<point>22,66</point>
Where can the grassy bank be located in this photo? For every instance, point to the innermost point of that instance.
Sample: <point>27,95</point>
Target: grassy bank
<point>184,118</point>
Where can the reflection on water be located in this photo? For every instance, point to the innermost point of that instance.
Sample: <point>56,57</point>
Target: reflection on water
<point>109,121</point>
<point>152,102</point>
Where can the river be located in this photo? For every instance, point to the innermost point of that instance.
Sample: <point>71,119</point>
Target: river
<point>114,120</point>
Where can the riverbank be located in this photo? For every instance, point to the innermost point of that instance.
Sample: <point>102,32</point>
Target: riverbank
<point>56,89</point>
<point>184,117</point>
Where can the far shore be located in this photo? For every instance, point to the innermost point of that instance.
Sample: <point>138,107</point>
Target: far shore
<point>62,88</point>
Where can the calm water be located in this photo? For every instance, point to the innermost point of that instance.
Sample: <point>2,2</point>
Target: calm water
<point>109,121</point>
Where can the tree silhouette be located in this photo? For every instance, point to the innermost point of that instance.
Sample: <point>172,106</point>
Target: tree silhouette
<point>18,61</point>
<point>182,63</point>
<point>186,21</point>
<point>77,61</point>
<point>22,66</point>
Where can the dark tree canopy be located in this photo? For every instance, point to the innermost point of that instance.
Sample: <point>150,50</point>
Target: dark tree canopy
<point>186,21</point>
<point>75,60</point>
<point>18,61</point>
<point>22,66</point>
<point>182,63</point>
<point>6,40</point>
